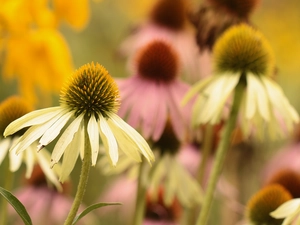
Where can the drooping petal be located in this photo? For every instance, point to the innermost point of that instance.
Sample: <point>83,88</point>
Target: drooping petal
<point>29,161</point>
<point>33,133</point>
<point>196,88</point>
<point>109,140</point>
<point>32,118</point>
<point>286,209</point>
<point>15,161</point>
<point>256,89</point>
<point>4,146</point>
<point>43,157</point>
<point>65,140</point>
<point>70,157</point>
<point>132,134</point>
<point>55,129</point>
<point>93,132</point>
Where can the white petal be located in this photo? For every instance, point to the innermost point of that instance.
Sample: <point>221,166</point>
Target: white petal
<point>196,88</point>
<point>65,140</point>
<point>131,134</point>
<point>93,133</point>
<point>286,209</point>
<point>15,161</point>
<point>55,129</point>
<point>4,146</point>
<point>32,118</point>
<point>70,157</point>
<point>258,97</point>
<point>43,157</point>
<point>29,160</point>
<point>109,140</point>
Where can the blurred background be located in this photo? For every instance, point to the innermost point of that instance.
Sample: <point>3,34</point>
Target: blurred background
<point>110,22</point>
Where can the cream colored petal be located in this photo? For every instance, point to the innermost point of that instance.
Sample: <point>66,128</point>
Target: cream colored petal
<point>65,140</point>
<point>132,134</point>
<point>286,209</point>
<point>218,92</point>
<point>4,146</point>
<point>32,134</point>
<point>258,98</point>
<point>196,88</point>
<point>70,157</point>
<point>156,176</point>
<point>81,134</point>
<point>170,182</point>
<point>93,132</point>
<point>55,128</point>
<point>109,140</point>
<point>29,161</point>
<point>15,161</point>
<point>43,157</point>
<point>197,107</point>
<point>32,118</point>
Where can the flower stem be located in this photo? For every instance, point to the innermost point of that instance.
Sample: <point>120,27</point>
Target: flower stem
<point>7,185</point>
<point>221,153</point>
<point>83,179</point>
<point>140,198</point>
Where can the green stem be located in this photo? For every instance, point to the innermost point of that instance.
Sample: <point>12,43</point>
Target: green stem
<point>83,179</point>
<point>220,154</point>
<point>140,203</point>
<point>207,147</point>
<point>7,185</point>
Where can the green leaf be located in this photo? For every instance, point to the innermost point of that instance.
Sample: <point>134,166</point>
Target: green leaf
<point>91,208</point>
<point>18,206</point>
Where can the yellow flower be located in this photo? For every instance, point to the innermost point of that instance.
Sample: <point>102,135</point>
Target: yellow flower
<point>74,12</point>
<point>39,60</point>
<point>242,56</point>
<point>10,109</point>
<point>89,101</point>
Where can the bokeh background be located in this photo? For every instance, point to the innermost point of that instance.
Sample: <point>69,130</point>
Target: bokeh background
<point>112,20</point>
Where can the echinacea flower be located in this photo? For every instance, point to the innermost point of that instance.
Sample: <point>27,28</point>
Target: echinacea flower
<point>11,109</point>
<point>88,105</point>
<point>264,202</point>
<point>167,20</point>
<point>242,56</point>
<point>289,211</point>
<point>152,95</point>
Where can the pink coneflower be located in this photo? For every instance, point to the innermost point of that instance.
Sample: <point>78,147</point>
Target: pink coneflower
<point>168,20</point>
<point>153,94</point>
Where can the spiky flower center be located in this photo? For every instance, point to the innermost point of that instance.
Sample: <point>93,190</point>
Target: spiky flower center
<point>11,109</point>
<point>170,14</point>
<point>266,201</point>
<point>242,49</point>
<point>158,61</point>
<point>91,90</point>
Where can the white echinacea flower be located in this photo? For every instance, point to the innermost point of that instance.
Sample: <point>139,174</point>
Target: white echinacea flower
<point>289,211</point>
<point>11,109</point>
<point>243,56</point>
<point>88,105</point>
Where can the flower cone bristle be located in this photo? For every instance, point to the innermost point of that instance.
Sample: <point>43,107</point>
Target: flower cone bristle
<point>265,201</point>
<point>158,61</point>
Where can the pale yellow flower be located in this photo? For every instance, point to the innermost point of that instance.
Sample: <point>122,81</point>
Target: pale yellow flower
<point>11,109</point>
<point>88,106</point>
<point>242,55</point>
